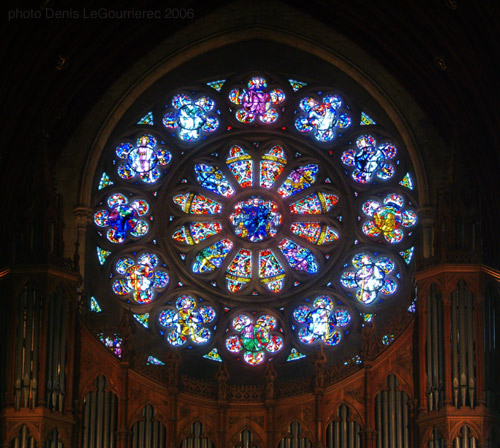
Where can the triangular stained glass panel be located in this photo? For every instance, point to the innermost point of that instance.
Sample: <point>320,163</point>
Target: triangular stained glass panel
<point>216,85</point>
<point>407,254</point>
<point>102,255</point>
<point>147,119</point>
<point>105,181</point>
<point>366,120</point>
<point>407,181</point>
<point>94,305</point>
<point>295,355</point>
<point>296,85</point>
<point>143,319</point>
<point>213,355</point>
<point>152,361</point>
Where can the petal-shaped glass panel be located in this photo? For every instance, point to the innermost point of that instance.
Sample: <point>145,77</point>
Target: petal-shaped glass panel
<point>239,270</point>
<point>241,165</point>
<point>299,258</point>
<point>271,166</point>
<point>197,204</point>
<point>213,179</point>
<point>197,231</point>
<point>298,180</point>
<point>211,257</point>
<point>314,232</point>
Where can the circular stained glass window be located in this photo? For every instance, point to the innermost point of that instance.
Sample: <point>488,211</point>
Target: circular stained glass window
<point>254,218</point>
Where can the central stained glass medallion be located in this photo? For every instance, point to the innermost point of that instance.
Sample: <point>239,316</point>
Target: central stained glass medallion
<point>256,219</point>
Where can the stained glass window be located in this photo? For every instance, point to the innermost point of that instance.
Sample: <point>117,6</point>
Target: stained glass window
<point>187,321</point>
<point>253,218</point>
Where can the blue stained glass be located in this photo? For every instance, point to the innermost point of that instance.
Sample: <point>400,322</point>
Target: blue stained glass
<point>369,278</point>
<point>187,321</point>
<point>322,117</point>
<point>143,160</point>
<point>256,219</point>
<point>320,323</point>
<point>299,257</point>
<point>370,160</point>
<point>191,117</point>
<point>213,179</point>
<point>211,257</point>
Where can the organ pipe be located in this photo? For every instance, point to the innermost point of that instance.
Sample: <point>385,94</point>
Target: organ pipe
<point>392,416</point>
<point>343,432</point>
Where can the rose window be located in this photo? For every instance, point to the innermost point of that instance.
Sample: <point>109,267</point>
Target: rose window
<point>252,219</point>
<point>257,223</point>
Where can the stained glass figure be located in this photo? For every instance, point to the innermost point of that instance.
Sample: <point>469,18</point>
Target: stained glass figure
<point>143,319</point>
<point>211,257</point>
<point>196,232</point>
<point>407,254</point>
<point>295,355</point>
<point>187,321</point>
<point>123,218</point>
<point>315,204</point>
<point>104,182</point>
<point>322,117</point>
<point>147,119</point>
<point>321,322</point>
<point>213,179</point>
<point>368,317</point>
<point>315,232</point>
<point>370,277</point>
<point>256,219</point>
<point>257,101</point>
<point>112,343</point>
<point>191,117</point>
<point>102,255</point>
<point>296,85</point>
<point>216,85</point>
<point>213,355</point>
<point>271,166</point>
<point>388,219</point>
<point>197,204</point>
<point>94,305</point>
<point>370,160</point>
<point>271,272</point>
<point>299,258</point>
<point>299,179</point>
<point>239,270</point>
<point>141,278</point>
<point>241,165</point>
<point>407,181</point>
<point>152,361</point>
<point>254,338</point>
<point>366,120</point>
<point>145,161</point>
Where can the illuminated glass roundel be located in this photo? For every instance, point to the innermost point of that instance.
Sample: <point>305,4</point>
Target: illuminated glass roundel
<point>256,219</point>
<point>220,209</point>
